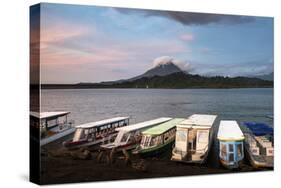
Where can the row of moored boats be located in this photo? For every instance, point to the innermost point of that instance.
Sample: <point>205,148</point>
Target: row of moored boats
<point>189,139</point>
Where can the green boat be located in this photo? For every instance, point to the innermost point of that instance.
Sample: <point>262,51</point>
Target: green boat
<point>158,139</point>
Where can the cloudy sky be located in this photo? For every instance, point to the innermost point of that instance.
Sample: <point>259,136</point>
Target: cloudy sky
<point>93,44</point>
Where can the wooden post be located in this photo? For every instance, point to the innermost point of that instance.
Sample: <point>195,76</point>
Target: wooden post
<point>127,156</point>
<point>111,156</point>
<point>107,158</point>
<point>66,123</point>
<point>99,156</point>
<point>57,121</point>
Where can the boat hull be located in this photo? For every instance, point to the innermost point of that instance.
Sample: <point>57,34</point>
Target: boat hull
<point>190,161</point>
<point>253,132</point>
<point>228,165</point>
<point>55,137</point>
<point>119,148</point>
<point>268,163</point>
<point>88,144</point>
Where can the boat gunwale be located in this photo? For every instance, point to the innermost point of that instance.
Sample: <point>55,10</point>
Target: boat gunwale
<point>143,125</point>
<point>94,124</point>
<point>168,125</point>
<point>50,114</point>
<point>230,139</point>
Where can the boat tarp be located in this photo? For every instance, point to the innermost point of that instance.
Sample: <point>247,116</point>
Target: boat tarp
<point>259,129</point>
<point>163,127</point>
<point>229,130</point>
<point>142,125</point>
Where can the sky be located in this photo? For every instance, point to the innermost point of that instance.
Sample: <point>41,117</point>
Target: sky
<point>94,44</point>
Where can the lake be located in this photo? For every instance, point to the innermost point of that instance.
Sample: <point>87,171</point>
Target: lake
<point>88,105</point>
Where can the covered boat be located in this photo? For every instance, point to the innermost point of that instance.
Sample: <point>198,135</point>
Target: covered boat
<point>53,125</point>
<point>95,133</point>
<point>129,137</point>
<point>158,139</point>
<point>194,139</point>
<point>230,139</point>
<point>259,144</point>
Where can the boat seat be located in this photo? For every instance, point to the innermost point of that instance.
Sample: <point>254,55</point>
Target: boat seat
<point>179,155</point>
<point>269,151</point>
<point>265,143</point>
<point>197,156</point>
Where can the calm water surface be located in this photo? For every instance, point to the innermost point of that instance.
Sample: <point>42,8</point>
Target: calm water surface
<point>88,105</point>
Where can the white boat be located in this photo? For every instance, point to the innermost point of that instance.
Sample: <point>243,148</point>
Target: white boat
<point>129,137</point>
<point>259,144</point>
<point>94,133</point>
<point>158,139</point>
<point>194,139</point>
<point>230,138</point>
<point>53,125</point>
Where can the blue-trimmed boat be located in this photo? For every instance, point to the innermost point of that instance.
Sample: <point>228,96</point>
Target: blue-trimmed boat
<point>230,138</point>
<point>259,144</point>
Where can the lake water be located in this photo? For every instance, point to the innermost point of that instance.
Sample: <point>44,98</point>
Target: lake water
<point>88,105</point>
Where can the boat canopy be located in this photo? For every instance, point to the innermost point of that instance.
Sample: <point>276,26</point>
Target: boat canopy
<point>143,124</point>
<point>230,131</point>
<point>198,120</point>
<point>102,122</point>
<point>163,127</point>
<point>44,115</point>
<point>259,129</point>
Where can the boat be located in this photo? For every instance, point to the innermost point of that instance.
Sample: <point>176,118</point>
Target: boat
<point>270,116</point>
<point>92,134</point>
<point>259,144</point>
<point>53,125</point>
<point>129,137</point>
<point>194,138</point>
<point>158,139</point>
<point>230,137</point>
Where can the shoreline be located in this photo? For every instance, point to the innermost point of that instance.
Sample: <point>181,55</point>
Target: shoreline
<point>60,88</point>
<point>59,165</point>
<point>62,169</point>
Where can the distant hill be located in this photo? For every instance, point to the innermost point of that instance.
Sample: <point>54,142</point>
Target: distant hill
<point>269,77</point>
<point>183,80</point>
<point>177,80</point>
<point>158,70</point>
<point>169,75</point>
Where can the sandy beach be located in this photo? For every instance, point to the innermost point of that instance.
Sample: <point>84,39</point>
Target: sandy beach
<point>62,166</point>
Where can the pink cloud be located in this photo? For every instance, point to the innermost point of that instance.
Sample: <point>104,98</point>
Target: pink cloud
<point>55,48</point>
<point>75,57</point>
<point>60,32</point>
<point>187,37</point>
<point>74,53</point>
<point>110,52</point>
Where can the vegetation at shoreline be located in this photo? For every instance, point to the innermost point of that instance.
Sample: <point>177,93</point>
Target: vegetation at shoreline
<point>178,80</point>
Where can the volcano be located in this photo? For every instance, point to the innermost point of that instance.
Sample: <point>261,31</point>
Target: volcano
<point>162,69</point>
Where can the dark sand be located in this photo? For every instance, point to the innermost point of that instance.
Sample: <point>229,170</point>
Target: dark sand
<point>59,166</point>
